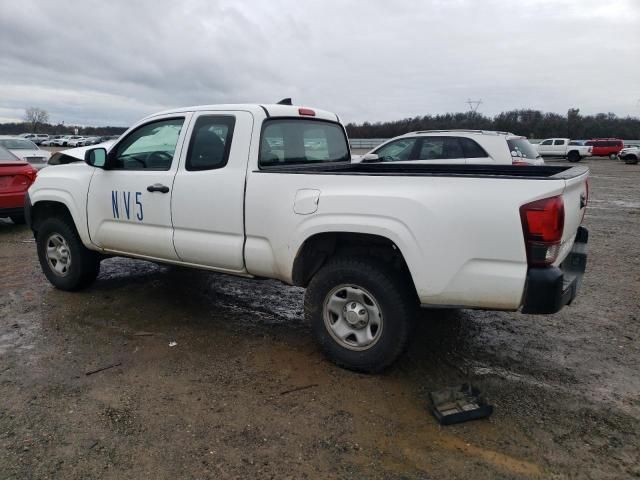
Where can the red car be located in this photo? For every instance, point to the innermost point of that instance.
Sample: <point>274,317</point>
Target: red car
<point>16,176</point>
<point>605,147</point>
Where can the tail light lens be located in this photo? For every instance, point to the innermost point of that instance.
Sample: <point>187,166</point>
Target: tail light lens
<point>542,225</point>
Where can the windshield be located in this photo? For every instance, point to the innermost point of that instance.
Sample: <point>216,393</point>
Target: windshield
<point>17,144</point>
<point>7,156</point>
<point>300,141</point>
<point>523,148</point>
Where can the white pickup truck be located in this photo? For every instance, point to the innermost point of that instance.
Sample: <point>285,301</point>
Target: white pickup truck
<point>268,191</point>
<point>564,148</point>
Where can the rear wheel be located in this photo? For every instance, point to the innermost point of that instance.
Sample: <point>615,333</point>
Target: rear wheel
<point>613,156</point>
<point>65,261</point>
<point>361,313</point>
<point>18,219</point>
<point>573,156</point>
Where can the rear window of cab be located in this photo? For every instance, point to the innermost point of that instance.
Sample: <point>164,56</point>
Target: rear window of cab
<point>292,141</point>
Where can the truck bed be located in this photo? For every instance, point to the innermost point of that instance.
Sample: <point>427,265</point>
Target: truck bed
<point>544,172</point>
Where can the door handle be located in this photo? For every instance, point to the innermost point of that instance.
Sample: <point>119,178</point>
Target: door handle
<point>158,187</point>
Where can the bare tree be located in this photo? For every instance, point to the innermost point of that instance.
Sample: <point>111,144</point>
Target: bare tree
<point>35,116</point>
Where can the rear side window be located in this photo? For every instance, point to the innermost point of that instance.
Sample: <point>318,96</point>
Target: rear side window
<point>471,148</point>
<point>520,147</point>
<point>302,141</point>
<point>210,142</point>
<point>558,142</point>
<point>441,148</point>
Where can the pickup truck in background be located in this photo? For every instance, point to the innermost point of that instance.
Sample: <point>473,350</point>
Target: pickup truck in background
<point>269,191</point>
<point>564,148</point>
<point>630,155</point>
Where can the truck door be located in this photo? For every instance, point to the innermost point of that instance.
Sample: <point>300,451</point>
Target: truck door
<point>129,203</point>
<point>559,147</point>
<point>546,147</point>
<point>208,193</point>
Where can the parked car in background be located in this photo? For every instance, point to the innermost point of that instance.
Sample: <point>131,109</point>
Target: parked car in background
<point>606,147</point>
<point>630,155</point>
<point>455,147</point>
<point>563,148</point>
<point>26,150</point>
<point>36,138</point>
<point>61,141</point>
<point>76,142</point>
<point>16,176</point>
<point>51,141</point>
<point>92,140</point>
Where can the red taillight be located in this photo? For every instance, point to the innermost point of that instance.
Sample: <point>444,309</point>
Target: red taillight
<point>307,111</point>
<point>542,225</point>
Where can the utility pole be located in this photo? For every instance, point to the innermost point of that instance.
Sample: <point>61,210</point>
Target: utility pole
<point>473,105</point>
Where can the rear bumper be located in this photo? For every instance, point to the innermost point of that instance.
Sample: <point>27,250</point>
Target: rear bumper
<point>11,204</point>
<point>550,289</point>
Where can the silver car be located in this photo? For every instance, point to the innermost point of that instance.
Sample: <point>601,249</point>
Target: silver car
<point>26,150</point>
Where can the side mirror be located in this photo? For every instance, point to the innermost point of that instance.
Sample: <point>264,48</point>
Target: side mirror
<point>96,157</point>
<point>370,157</point>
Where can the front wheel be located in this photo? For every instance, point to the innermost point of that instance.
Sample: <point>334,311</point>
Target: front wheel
<point>573,157</point>
<point>361,313</point>
<point>630,160</point>
<point>65,261</point>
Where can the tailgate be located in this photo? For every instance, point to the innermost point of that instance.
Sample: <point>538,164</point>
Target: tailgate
<point>575,196</point>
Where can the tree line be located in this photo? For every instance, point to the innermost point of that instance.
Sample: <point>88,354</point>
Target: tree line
<point>526,122</point>
<point>36,120</point>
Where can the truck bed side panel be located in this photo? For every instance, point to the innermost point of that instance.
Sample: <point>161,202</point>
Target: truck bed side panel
<point>460,236</point>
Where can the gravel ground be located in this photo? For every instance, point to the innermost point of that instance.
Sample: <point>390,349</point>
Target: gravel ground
<point>219,404</point>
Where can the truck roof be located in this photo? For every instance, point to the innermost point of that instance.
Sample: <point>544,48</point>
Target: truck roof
<point>268,110</point>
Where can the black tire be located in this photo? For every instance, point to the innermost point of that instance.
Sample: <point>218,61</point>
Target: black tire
<point>18,219</point>
<point>84,264</point>
<point>391,291</point>
<point>631,160</point>
<point>574,157</point>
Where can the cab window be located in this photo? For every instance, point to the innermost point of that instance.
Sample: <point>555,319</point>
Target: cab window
<point>547,142</point>
<point>210,142</point>
<point>302,141</point>
<point>397,151</point>
<point>149,147</point>
<point>558,142</point>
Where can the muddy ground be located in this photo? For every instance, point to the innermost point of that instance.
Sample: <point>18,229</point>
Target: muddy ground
<point>565,387</point>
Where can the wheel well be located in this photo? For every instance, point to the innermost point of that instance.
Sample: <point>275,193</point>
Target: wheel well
<point>319,248</point>
<point>47,209</point>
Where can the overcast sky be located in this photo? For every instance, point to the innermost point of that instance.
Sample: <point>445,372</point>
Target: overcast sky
<point>112,62</point>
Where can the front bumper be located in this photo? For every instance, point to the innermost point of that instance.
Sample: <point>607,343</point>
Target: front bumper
<point>549,289</point>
